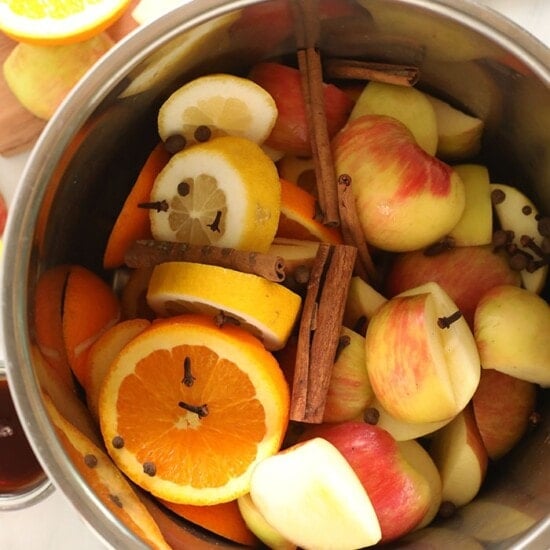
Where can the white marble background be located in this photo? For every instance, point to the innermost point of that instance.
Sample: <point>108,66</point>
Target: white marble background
<point>53,524</point>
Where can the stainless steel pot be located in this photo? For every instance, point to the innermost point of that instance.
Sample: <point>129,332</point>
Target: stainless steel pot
<point>87,159</point>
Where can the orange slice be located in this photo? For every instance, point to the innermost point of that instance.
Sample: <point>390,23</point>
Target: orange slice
<point>90,307</point>
<point>224,519</point>
<point>133,222</point>
<point>58,22</point>
<point>189,408</point>
<point>48,319</point>
<point>103,353</point>
<point>105,480</point>
<point>297,219</point>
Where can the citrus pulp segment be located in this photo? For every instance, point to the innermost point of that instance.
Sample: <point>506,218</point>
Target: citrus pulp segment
<point>188,409</point>
<point>266,309</point>
<point>224,104</point>
<point>58,22</point>
<point>224,192</point>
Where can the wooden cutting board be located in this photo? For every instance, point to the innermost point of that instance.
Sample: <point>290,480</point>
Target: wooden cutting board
<point>19,129</point>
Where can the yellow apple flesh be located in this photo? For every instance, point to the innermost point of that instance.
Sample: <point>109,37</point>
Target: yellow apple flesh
<point>459,135</point>
<point>260,527</point>
<point>461,458</point>
<point>310,494</point>
<point>40,77</point>
<point>475,227</point>
<point>511,330</point>
<point>405,198</point>
<point>362,302</point>
<point>408,105</point>
<point>422,367</point>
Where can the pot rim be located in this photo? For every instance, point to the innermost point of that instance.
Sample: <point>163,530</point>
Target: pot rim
<point>74,111</point>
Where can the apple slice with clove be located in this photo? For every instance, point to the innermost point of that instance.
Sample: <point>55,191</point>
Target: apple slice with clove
<point>465,273</point>
<point>406,199</point>
<point>421,356</point>
<point>511,330</point>
<point>475,227</point>
<point>311,495</point>
<point>517,213</point>
<point>459,454</point>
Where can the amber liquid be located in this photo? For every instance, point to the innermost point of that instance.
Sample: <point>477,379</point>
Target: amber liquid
<point>19,468</point>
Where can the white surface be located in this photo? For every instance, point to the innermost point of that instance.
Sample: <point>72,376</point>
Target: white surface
<point>53,524</point>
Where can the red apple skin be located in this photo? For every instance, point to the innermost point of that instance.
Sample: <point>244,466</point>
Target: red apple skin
<point>406,199</point>
<point>502,406</point>
<point>290,133</point>
<point>465,273</point>
<point>399,494</point>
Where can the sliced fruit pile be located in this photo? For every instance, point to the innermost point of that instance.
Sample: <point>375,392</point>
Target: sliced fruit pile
<point>191,373</point>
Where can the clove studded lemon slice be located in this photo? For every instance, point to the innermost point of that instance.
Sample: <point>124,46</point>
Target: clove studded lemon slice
<point>217,105</point>
<point>224,192</point>
<point>266,309</point>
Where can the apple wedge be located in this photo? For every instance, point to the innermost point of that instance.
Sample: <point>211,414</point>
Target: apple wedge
<point>401,430</point>
<point>459,135</point>
<point>362,302</point>
<point>310,494</point>
<point>399,492</point>
<point>511,331</point>
<point>502,407</point>
<point>475,227</point>
<point>41,76</point>
<point>421,356</point>
<point>260,527</point>
<point>464,272</point>
<point>517,213</point>
<point>408,105</point>
<point>406,199</point>
<point>423,463</point>
<point>349,391</point>
<point>461,458</point>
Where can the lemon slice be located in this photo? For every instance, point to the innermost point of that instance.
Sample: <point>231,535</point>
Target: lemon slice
<point>218,104</point>
<point>266,309</point>
<point>225,192</point>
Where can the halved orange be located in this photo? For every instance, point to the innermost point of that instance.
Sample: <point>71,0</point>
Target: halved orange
<point>297,219</point>
<point>90,307</point>
<point>105,480</point>
<point>58,22</point>
<point>133,223</point>
<point>188,408</point>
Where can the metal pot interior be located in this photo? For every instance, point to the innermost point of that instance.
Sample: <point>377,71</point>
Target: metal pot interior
<point>89,156</point>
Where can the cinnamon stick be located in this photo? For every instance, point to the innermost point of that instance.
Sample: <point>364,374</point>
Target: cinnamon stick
<point>353,69</point>
<point>148,253</point>
<point>311,71</point>
<point>319,331</point>
<point>302,366</point>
